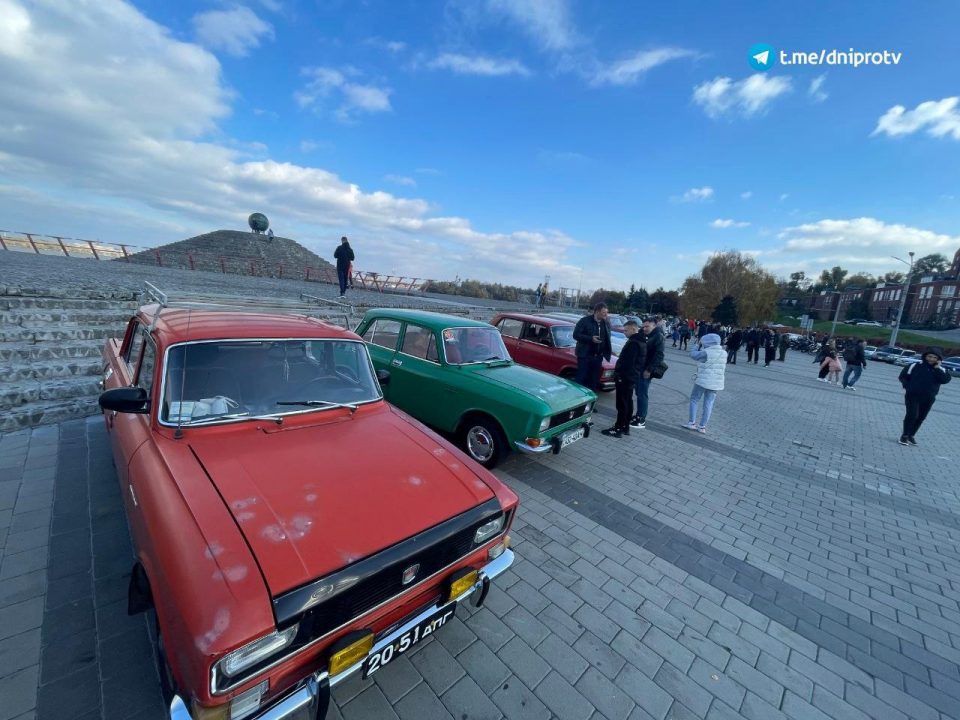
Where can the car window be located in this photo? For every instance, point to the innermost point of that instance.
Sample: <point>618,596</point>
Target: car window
<point>510,327</point>
<point>216,381</point>
<point>563,336</point>
<point>462,346</point>
<point>148,354</point>
<point>535,332</point>
<point>420,343</point>
<point>383,333</point>
<point>135,350</point>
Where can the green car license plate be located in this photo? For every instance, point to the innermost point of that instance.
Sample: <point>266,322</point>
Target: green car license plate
<point>403,643</point>
<point>571,436</point>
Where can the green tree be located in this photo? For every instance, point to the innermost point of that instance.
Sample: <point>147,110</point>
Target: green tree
<point>665,302</point>
<point>833,277</point>
<point>726,312</point>
<point>859,308</point>
<point>934,264</point>
<point>893,277</point>
<point>860,280</point>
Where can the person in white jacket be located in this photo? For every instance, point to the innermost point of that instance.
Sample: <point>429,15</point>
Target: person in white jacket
<point>708,381</point>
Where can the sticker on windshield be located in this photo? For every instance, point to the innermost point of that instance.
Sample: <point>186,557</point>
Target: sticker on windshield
<point>449,335</point>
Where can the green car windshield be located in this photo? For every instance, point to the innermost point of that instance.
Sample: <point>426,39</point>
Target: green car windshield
<point>467,345</point>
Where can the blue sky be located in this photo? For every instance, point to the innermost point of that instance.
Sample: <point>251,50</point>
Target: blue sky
<point>598,143</point>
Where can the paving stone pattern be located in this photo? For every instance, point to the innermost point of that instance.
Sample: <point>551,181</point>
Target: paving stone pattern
<point>794,562</point>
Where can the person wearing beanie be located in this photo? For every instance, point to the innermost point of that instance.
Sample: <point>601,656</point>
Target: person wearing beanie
<point>708,381</point>
<point>921,382</point>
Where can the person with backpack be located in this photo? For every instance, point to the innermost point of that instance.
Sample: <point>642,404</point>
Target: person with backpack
<point>921,382</point>
<point>856,364</point>
<point>652,338</point>
<point>708,381</point>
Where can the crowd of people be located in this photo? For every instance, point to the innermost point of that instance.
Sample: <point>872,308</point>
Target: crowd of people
<point>840,362</point>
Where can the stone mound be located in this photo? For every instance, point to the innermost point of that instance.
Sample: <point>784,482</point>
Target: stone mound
<point>239,253</point>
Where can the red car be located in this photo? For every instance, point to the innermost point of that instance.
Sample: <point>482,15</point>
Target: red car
<point>545,343</point>
<point>291,528</point>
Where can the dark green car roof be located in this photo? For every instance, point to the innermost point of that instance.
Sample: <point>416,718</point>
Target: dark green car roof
<point>432,320</point>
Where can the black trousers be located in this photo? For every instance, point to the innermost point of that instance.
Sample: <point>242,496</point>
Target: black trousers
<point>824,371</point>
<point>588,371</point>
<point>732,356</point>
<point>753,353</point>
<point>625,391</point>
<point>783,352</point>
<point>917,408</point>
<point>343,275</point>
<point>769,356</point>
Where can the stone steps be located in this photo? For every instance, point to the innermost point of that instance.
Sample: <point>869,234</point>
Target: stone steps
<point>51,345</point>
<point>50,369</point>
<point>46,412</point>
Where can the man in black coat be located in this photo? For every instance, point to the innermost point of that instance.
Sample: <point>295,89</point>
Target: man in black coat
<point>922,382</point>
<point>626,374</point>
<point>592,334</point>
<point>652,338</point>
<point>769,346</point>
<point>753,345</point>
<point>733,345</point>
<point>856,364</point>
<point>344,256</point>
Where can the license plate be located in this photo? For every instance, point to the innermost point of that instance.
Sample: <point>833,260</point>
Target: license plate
<point>571,436</point>
<point>405,642</point>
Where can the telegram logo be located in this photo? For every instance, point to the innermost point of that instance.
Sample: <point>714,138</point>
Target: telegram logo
<point>762,57</point>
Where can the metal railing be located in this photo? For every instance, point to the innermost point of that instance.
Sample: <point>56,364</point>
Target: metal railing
<point>40,244</point>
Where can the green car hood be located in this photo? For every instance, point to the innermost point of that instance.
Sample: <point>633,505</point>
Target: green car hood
<point>557,393</point>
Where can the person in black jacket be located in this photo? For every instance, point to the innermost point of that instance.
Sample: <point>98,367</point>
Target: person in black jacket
<point>626,374</point>
<point>344,256</point>
<point>592,334</point>
<point>856,364</point>
<point>734,339</point>
<point>922,382</point>
<point>752,337</point>
<point>652,339</point>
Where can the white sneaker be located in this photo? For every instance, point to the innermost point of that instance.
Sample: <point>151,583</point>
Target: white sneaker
<point>690,426</point>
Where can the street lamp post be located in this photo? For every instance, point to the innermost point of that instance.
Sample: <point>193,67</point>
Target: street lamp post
<point>903,299</point>
<point>836,314</point>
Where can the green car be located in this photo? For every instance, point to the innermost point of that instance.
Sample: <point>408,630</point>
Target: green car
<point>455,375</point>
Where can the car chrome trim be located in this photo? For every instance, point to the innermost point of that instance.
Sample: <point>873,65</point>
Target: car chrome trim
<point>166,357</point>
<point>293,602</point>
<point>544,448</point>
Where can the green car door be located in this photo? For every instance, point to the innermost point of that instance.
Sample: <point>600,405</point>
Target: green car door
<point>415,379</point>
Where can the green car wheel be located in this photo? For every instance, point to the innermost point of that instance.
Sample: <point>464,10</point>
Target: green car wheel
<point>483,440</point>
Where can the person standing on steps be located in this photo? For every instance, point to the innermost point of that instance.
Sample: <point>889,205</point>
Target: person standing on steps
<point>626,374</point>
<point>921,382</point>
<point>345,257</point>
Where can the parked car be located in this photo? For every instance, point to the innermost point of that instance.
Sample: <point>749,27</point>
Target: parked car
<point>617,338</point>
<point>869,323</point>
<point>277,553</point>
<point>887,353</point>
<point>907,357</point>
<point>546,344</point>
<point>869,351</point>
<point>952,365</point>
<point>456,375</point>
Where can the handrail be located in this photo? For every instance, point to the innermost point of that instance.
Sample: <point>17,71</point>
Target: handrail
<point>39,244</point>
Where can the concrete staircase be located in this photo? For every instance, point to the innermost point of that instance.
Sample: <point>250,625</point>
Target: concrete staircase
<point>50,347</point>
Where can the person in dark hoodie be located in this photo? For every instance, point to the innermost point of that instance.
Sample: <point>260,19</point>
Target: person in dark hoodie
<point>922,382</point>
<point>626,374</point>
<point>344,256</point>
<point>734,340</point>
<point>752,337</point>
<point>592,333</point>
<point>652,338</point>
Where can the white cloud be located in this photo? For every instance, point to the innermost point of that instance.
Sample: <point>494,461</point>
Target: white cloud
<point>631,69</point>
<point>723,224</point>
<point>400,180</point>
<point>547,22</point>
<point>723,96</point>
<point>427,171</point>
<point>746,195</point>
<point>477,65</point>
<point>309,146</point>
<point>784,196</point>
<point>940,118</point>
<point>816,91</point>
<point>326,83</point>
<point>235,31</point>
<point>700,194</point>
<point>137,155</point>
<point>394,46</point>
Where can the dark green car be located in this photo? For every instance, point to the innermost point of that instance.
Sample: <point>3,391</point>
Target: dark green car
<point>455,375</point>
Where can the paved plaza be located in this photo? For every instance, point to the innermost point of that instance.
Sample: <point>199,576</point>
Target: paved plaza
<point>793,562</point>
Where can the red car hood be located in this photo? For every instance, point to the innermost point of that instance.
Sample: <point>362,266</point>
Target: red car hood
<point>313,499</point>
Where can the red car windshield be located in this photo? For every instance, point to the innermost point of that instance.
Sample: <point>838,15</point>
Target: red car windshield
<point>563,336</point>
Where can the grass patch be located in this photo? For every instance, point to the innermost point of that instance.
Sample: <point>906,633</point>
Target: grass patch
<point>873,335</point>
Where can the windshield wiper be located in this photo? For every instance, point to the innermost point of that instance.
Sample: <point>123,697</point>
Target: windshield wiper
<point>497,358</point>
<point>233,416</point>
<point>319,403</point>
